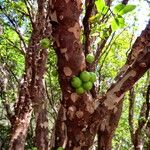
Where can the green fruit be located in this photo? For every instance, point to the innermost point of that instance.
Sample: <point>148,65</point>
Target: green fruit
<point>92,77</point>
<point>60,148</point>
<point>80,90</point>
<point>54,73</point>
<point>76,82</point>
<point>89,58</point>
<point>85,76</point>
<point>87,86</point>
<point>45,43</point>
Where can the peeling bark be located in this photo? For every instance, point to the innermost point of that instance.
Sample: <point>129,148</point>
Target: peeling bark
<point>39,103</point>
<point>138,45</point>
<point>74,131</point>
<point>32,87</point>
<point>108,127</point>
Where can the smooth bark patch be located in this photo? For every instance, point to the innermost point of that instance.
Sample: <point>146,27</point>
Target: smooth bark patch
<point>75,30</point>
<point>67,71</point>
<point>54,16</point>
<point>63,50</point>
<point>112,98</point>
<point>74,97</point>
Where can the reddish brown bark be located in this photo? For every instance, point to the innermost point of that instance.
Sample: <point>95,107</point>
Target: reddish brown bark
<point>139,44</point>
<point>105,133</point>
<point>39,102</point>
<point>31,95</point>
<point>80,116</point>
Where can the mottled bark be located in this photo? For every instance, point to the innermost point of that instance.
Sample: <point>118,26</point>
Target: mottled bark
<point>32,87</point>
<point>80,116</point>
<point>39,102</point>
<point>106,132</point>
<point>105,135</point>
<point>23,108</point>
<point>139,44</point>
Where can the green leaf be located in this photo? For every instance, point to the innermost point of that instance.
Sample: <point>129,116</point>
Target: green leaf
<point>105,9</point>
<point>114,25</point>
<point>121,21</point>
<point>117,23</point>
<point>100,4</point>
<point>118,8</point>
<point>128,8</point>
<point>93,18</point>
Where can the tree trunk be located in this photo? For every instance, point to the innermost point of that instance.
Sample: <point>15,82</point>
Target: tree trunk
<point>32,85</point>
<point>105,133</point>
<point>80,116</point>
<point>39,101</point>
<point>23,109</point>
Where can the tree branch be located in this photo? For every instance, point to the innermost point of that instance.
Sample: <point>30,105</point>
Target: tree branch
<point>30,13</point>
<point>147,102</point>
<point>89,4</point>
<point>125,82</point>
<point>131,112</point>
<point>125,2</point>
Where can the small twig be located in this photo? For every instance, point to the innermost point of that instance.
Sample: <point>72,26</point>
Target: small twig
<point>131,112</point>
<point>147,102</point>
<point>89,7</point>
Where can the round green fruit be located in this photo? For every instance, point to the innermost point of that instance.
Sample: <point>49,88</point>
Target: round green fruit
<point>60,148</point>
<point>92,77</point>
<point>80,90</point>
<point>54,73</point>
<point>45,43</point>
<point>89,58</point>
<point>88,85</point>
<point>85,76</point>
<point>76,82</point>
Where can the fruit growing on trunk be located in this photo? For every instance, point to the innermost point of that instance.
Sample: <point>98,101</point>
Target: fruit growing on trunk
<point>92,77</point>
<point>87,86</point>
<point>85,76</point>
<point>45,43</point>
<point>60,148</point>
<point>80,90</point>
<point>76,82</point>
<point>89,58</point>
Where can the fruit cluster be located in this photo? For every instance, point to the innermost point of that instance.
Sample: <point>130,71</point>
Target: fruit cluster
<point>84,82</point>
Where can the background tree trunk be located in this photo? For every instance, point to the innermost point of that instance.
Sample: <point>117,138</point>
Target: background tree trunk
<point>31,93</point>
